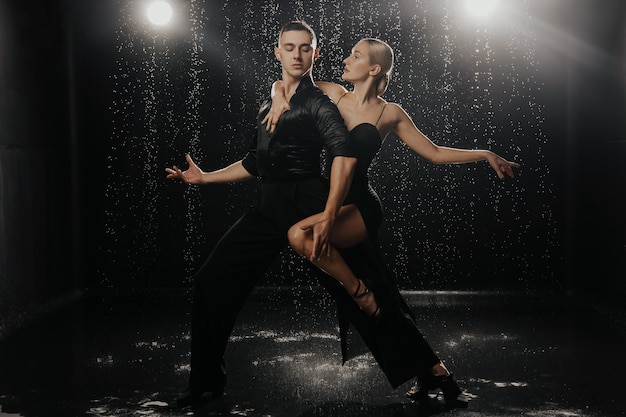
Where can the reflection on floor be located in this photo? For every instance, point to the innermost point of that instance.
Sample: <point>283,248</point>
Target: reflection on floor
<point>515,355</point>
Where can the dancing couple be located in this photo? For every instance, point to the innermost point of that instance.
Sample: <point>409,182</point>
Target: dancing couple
<point>330,218</point>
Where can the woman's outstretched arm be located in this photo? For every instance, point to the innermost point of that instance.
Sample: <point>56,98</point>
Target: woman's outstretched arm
<point>404,127</point>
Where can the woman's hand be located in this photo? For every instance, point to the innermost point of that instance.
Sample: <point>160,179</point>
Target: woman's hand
<point>193,175</point>
<point>279,106</point>
<point>501,165</point>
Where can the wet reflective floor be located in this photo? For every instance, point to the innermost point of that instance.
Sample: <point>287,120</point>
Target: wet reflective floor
<point>127,355</point>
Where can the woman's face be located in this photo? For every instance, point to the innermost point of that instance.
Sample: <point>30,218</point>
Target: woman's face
<point>357,65</point>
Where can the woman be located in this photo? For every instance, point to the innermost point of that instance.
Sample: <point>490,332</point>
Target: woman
<point>370,119</point>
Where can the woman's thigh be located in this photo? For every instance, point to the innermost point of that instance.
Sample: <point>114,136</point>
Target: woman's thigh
<point>349,228</point>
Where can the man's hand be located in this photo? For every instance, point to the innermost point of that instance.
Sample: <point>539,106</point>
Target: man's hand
<point>193,175</point>
<point>321,225</point>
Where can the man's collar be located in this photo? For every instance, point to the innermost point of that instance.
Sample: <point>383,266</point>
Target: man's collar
<point>305,82</point>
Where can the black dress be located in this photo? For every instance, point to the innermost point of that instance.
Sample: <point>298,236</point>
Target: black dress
<point>393,337</point>
<point>367,141</point>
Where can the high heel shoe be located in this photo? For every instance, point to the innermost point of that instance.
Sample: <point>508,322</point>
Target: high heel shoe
<point>448,386</point>
<point>418,392</point>
<point>451,392</point>
<point>356,296</point>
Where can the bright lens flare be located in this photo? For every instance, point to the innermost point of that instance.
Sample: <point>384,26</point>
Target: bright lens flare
<point>160,13</point>
<point>481,7</point>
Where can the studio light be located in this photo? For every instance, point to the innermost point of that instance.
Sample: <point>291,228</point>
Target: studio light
<point>481,7</point>
<point>159,13</point>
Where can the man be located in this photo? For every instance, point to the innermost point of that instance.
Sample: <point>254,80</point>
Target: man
<point>287,161</point>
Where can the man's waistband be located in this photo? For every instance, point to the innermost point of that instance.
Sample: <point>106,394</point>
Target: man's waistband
<point>290,178</point>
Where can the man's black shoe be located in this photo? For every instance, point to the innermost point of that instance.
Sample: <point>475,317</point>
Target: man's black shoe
<point>192,399</point>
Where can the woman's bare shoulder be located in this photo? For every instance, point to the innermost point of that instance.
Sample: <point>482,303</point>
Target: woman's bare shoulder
<point>395,110</point>
<point>332,90</point>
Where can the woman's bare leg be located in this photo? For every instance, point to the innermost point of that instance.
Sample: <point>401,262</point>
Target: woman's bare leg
<point>348,230</point>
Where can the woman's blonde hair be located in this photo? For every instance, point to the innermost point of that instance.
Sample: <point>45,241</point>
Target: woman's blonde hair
<point>381,54</point>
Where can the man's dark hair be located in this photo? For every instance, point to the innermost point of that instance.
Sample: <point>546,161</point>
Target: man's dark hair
<point>298,25</point>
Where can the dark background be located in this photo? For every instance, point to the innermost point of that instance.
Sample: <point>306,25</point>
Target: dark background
<point>94,104</point>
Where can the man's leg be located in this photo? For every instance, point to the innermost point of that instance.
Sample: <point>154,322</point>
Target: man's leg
<point>403,351</point>
<point>221,287</point>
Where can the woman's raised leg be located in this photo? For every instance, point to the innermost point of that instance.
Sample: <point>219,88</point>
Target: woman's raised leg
<point>348,230</point>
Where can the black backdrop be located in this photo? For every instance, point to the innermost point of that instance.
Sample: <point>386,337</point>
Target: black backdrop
<point>196,87</point>
<point>96,103</point>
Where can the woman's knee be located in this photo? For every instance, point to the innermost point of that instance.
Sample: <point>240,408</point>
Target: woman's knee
<point>298,239</point>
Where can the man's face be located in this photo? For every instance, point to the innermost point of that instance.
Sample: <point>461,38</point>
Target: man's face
<point>296,53</point>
